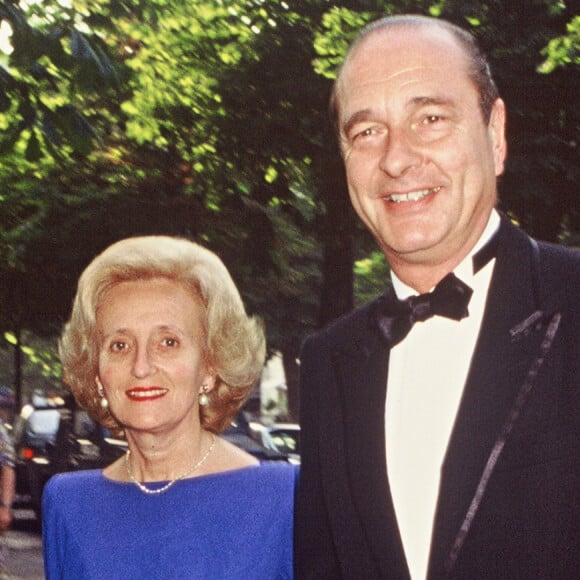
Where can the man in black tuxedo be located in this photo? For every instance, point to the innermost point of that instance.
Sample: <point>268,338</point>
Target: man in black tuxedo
<point>440,434</point>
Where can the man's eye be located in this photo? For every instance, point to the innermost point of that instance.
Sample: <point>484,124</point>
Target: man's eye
<point>361,135</point>
<point>170,342</point>
<point>365,133</point>
<point>430,119</point>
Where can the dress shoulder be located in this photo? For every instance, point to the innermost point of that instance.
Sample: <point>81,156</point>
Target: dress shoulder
<point>72,480</point>
<point>271,479</point>
<point>88,518</point>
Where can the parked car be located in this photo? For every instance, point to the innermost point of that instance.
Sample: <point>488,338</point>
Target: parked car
<point>53,440</point>
<point>57,439</point>
<point>281,437</point>
<point>241,434</point>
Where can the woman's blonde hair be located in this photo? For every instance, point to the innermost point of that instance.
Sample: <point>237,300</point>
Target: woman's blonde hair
<point>234,342</point>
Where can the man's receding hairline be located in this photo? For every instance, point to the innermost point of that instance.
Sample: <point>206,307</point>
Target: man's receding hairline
<point>391,23</point>
<point>477,67</point>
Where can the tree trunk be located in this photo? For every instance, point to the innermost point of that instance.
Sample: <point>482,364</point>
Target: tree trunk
<point>18,372</point>
<point>337,296</point>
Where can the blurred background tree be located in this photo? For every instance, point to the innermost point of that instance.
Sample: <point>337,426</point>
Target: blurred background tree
<point>209,119</point>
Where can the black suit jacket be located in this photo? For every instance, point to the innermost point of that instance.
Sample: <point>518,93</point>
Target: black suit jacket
<point>509,501</point>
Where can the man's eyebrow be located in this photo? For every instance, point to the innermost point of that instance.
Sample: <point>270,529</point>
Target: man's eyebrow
<point>355,118</point>
<point>419,101</point>
<point>424,100</point>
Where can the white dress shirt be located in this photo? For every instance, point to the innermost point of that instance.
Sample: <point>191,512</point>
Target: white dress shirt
<point>427,374</point>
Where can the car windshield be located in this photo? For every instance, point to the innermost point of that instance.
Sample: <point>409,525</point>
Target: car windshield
<point>43,423</point>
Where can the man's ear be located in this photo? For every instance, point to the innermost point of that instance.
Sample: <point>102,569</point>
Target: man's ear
<point>496,127</point>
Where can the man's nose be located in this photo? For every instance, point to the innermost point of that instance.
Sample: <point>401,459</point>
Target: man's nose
<point>400,153</point>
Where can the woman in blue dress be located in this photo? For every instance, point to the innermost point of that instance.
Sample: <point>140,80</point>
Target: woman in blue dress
<point>159,347</point>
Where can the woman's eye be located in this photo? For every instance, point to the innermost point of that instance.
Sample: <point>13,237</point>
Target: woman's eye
<point>118,346</point>
<point>170,342</point>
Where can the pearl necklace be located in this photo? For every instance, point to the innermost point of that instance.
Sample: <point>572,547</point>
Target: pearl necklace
<point>169,484</point>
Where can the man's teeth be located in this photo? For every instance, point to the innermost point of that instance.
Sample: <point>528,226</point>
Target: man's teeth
<point>413,195</point>
<point>145,394</point>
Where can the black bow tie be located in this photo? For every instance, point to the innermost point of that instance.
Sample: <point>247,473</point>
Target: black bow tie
<point>395,318</point>
<point>449,298</point>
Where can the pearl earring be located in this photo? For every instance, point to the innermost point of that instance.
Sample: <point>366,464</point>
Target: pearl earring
<point>101,392</point>
<point>203,398</point>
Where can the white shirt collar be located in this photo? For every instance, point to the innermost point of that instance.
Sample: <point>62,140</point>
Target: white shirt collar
<point>464,269</point>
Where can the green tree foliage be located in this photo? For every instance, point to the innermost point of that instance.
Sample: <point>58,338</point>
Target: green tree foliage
<point>209,119</point>
<point>539,185</point>
<point>39,364</point>
<point>370,276</point>
<point>53,59</point>
<point>563,51</point>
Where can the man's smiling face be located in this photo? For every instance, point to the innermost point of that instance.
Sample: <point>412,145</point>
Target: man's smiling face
<point>421,162</point>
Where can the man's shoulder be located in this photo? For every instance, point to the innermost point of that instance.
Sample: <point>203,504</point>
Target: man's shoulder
<point>347,328</point>
<point>555,268</point>
<point>564,258</point>
<point>560,272</point>
<point>553,256</point>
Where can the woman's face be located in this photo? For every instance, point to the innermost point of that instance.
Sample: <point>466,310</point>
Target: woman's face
<point>151,362</point>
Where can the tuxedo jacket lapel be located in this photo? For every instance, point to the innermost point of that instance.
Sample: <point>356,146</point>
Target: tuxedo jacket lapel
<point>361,371</point>
<point>499,368</point>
